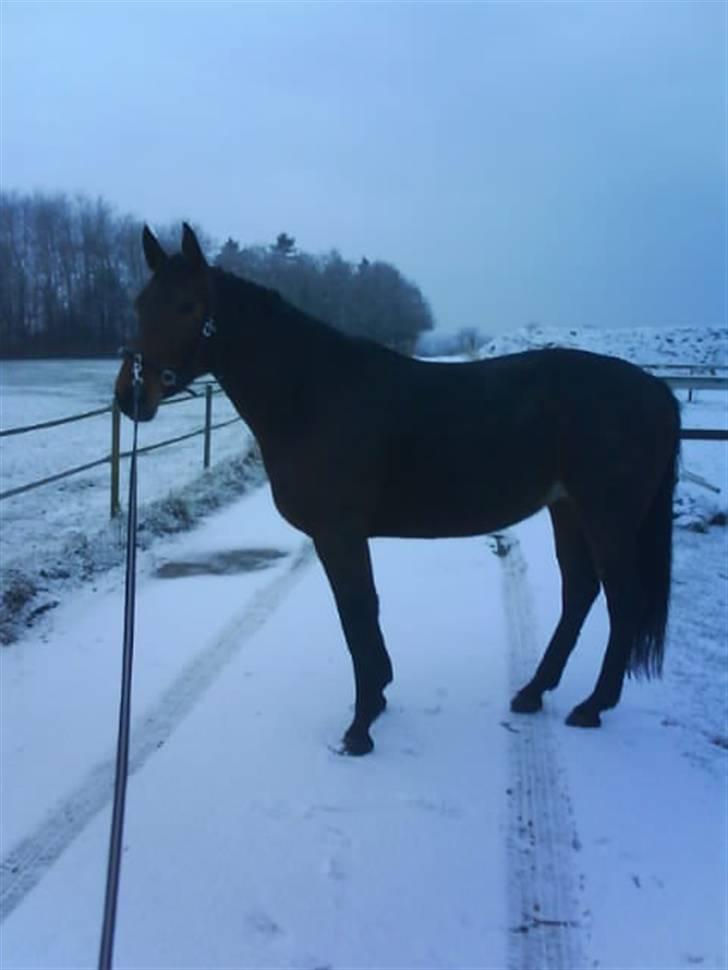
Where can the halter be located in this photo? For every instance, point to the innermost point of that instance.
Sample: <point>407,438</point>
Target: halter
<point>172,380</point>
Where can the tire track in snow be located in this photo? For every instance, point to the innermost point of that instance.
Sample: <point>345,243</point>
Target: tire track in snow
<point>27,862</point>
<point>546,920</point>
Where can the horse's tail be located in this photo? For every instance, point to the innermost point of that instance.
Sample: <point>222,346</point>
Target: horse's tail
<point>654,563</point>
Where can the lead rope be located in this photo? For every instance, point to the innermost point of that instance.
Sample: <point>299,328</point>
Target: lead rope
<point>122,744</point>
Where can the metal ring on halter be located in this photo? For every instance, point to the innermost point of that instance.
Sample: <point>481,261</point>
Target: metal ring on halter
<point>136,370</point>
<point>168,377</point>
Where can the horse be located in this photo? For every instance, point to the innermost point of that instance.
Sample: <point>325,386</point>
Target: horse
<point>360,441</point>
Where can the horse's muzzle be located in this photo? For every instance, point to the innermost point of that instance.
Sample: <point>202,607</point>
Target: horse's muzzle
<point>150,394</point>
<point>126,405</point>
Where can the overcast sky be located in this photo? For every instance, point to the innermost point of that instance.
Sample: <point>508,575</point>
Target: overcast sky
<point>558,162</point>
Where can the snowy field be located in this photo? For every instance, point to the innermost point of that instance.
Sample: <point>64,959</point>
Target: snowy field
<point>470,838</point>
<point>32,392</point>
<point>60,534</point>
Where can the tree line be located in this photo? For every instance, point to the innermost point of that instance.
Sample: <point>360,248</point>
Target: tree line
<point>71,266</point>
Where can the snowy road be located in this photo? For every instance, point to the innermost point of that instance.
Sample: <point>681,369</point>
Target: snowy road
<point>640,848</point>
<point>248,842</point>
<point>470,838</point>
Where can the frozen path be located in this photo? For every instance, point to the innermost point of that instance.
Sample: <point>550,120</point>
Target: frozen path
<point>643,833</point>
<point>248,843</point>
<point>470,838</point>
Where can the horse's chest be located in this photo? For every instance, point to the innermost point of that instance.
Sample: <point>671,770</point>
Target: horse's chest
<point>315,492</point>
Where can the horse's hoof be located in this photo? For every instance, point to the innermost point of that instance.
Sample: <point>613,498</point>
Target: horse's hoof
<point>585,717</point>
<point>356,744</point>
<point>526,702</point>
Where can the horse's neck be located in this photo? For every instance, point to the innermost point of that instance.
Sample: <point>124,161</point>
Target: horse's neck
<point>278,369</point>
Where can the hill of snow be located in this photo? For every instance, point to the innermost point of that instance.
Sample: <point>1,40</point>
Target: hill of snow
<point>688,346</point>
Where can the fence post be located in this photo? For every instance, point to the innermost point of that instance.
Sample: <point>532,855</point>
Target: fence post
<point>208,425</point>
<point>115,458</point>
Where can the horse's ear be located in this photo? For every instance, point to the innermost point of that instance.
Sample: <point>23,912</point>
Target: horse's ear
<point>153,252</point>
<point>191,248</point>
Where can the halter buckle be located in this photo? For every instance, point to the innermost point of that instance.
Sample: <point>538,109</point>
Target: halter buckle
<point>208,327</point>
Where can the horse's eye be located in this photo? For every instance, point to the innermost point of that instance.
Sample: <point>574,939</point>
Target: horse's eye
<point>186,308</point>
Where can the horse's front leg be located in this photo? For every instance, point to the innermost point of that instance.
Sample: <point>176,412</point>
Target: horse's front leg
<point>349,569</point>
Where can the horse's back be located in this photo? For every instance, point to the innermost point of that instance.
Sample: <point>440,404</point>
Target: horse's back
<point>411,448</point>
<point>465,449</point>
<point>474,447</point>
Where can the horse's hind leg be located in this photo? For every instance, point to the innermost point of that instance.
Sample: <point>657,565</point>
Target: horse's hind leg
<point>579,588</point>
<point>348,567</point>
<point>622,589</point>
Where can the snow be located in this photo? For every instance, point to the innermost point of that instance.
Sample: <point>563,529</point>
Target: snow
<point>646,346</point>
<point>309,859</point>
<point>649,793</point>
<point>60,535</point>
<point>470,837</point>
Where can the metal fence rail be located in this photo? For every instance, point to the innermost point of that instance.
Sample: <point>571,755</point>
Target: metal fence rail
<point>704,369</point>
<point>697,382</point>
<point>116,455</point>
<point>54,478</point>
<point>55,423</point>
<point>703,434</point>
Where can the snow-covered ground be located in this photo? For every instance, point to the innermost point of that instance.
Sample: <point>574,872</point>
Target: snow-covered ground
<point>60,534</point>
<point>32,392</point>
<point>470,838</point>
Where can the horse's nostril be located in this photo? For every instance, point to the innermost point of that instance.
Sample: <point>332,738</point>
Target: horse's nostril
<point>144,411</point>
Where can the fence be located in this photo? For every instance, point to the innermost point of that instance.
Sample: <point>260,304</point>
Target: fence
<point>116,455</point>
<point>114,458</point>
<point>692,377</point>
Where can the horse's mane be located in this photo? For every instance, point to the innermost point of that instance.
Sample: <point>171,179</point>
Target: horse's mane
<point>244,294</point>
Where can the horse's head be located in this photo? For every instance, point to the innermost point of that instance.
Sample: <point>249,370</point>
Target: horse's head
<point>174,311</point>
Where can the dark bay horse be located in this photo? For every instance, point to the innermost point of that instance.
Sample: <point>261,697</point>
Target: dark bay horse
<point>359,441</point>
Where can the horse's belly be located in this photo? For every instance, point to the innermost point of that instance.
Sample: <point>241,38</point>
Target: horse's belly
<point>456,510</point>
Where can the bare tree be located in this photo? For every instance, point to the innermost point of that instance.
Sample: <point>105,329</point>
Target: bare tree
<point>70,267</point>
